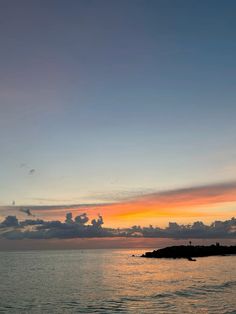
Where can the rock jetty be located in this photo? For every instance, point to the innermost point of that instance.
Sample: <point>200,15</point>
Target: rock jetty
<point>190,251</point>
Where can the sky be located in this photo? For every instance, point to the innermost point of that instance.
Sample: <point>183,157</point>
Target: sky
<point>123,108</point>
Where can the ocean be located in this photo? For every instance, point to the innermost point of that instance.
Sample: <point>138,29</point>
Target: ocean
<point>114,281</point>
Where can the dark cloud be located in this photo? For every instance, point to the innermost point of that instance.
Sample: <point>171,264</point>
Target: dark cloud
<point>11,228</point>
<point>26,211</point>
<point>69,219</point>
<point>220,229</point>
<point>97,223</point>
<point>10,221</point>
<point>40,229</point>
<point>31,171</point>
<point>82,219</point>
<point>31,222</point>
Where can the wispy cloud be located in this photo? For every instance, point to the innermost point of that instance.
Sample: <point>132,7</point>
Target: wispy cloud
<point>194,202</point>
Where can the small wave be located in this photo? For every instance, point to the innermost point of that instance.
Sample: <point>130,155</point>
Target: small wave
<point>196,291</point>
<point>163,295</point>
<point>213,288</point>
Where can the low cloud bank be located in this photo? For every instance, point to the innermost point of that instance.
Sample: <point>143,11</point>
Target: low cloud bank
<point>79,227</point>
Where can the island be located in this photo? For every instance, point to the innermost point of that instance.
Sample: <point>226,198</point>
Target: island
<point>190,251</point>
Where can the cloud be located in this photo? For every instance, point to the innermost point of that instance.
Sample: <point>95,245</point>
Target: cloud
<point>204,202</point>
<point>220,192</point>
<point>62,207</point>
<point>69,219</point>
<point>192,202</point>
<point>179,194</point>
<point>31,222</point>
<point>10,221</point>
<point>118,196</point>
<point>82,219</point>
<point>31,171</point>
<point>11,228</point>
<point>218,229</point>
<point>183,197</point>
<point>97,223</point>
<point>26,211</point>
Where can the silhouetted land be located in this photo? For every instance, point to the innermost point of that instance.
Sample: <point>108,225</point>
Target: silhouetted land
<point>189,251</point>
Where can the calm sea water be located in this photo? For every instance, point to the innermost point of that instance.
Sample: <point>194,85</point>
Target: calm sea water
<point>112,281</point>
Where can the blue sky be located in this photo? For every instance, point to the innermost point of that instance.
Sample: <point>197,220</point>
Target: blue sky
<point>115,96</point>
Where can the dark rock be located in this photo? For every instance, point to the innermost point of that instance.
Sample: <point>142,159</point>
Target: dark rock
<point>190,251</point>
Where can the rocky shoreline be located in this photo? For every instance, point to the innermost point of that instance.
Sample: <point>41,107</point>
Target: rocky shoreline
<point>190,251</point>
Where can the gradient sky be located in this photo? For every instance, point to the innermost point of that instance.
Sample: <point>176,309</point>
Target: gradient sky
<point>100,100</point>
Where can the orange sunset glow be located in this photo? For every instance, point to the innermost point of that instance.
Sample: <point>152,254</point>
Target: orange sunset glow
<point>117,156</point>
<point>204,203</point>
